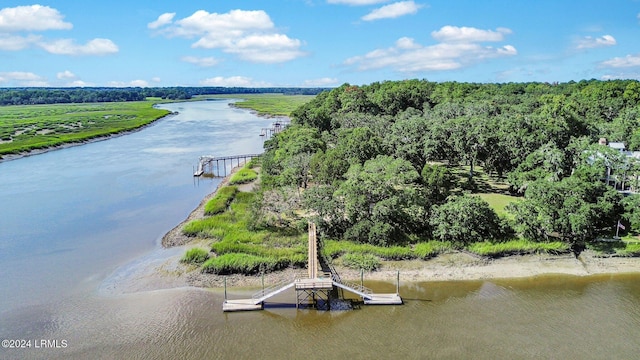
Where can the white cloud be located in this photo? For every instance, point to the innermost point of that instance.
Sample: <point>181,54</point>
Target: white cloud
<point>407,56</point>
<point>203,62</point>
<point>156,79</point>
<point>32,18</point>
<point>251,35</point>
<point>69,47</point>
<point>66,75</point>
<point>322,82</point>
<point>239,81</point>
<point>162,20</point>
<point>393,11</point>
<point>273,48</point>
<point>450,33</point>
<point>357,2</point>
<point>79,83</point>
<point>622,62</point>
<point>22,78</point>
<point>589,42</point>
<point>16,43</point>
<point>139,83</point>
<point>133,83</point>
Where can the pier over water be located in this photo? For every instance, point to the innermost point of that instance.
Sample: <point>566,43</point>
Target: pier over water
<point>210,164</point>
<point>318,288</point>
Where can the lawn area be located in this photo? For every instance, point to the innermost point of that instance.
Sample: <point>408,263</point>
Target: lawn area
<point>29,127</point>
<point>266,104</point>
<point>499,201</point>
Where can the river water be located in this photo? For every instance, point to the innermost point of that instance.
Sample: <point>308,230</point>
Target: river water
<point>72,220</point>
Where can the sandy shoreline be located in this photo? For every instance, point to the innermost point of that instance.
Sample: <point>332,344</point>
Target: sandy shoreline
<point>455,266</point>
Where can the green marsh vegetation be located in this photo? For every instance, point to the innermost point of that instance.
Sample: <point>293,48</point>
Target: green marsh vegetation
<point>241,247</point>
<point>267,104</point>
<point>244,175</point>
<point>24,128</point>
<point>195,256</point>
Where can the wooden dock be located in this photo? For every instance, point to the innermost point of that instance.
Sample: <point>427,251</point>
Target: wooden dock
<point>313,288</point>
<point>206,163</point>
<point>240,305</point>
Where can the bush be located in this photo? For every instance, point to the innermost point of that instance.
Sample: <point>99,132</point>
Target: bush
<point>195,256</point>
<point>366,262</point>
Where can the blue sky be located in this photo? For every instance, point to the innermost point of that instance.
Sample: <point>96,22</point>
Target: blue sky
<point>308,43</point>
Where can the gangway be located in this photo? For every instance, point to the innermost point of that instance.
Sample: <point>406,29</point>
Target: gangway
<point>313,287</point>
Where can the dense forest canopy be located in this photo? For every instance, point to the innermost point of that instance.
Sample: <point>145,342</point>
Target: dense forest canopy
<point>33,96</point>
<point>374,162</point>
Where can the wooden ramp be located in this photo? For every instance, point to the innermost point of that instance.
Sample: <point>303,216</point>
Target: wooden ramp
<point>368,296</point>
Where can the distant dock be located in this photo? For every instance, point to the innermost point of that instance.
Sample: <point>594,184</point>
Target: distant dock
<point>210,164</point>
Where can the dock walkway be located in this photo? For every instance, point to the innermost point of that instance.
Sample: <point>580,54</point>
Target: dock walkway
<point>312,287</point>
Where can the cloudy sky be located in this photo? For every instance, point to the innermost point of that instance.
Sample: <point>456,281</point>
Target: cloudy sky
<point>308,43</point>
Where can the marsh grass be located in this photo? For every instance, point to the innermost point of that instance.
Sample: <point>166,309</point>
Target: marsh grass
<point>241,250</point>
<point>31,127</point>
<point>423,250</point>
<point>267,104</point>
<point>195,256</point>
<point>367,262</point>
<point>243,176</point>
<point>517,247</point>
<point>219,203</point>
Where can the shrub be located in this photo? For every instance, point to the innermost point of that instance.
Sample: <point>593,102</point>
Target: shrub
<point>195,256</point>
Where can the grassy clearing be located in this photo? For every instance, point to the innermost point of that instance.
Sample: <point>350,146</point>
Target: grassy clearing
<point>267,104</point>
<point>517,247</point>
<point>31,127</point>
<point>499,201</point>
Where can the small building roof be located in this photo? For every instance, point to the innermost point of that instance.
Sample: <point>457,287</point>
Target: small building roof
<point>617,145</point>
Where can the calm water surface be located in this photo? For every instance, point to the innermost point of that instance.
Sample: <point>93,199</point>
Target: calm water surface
<point>70,219</point>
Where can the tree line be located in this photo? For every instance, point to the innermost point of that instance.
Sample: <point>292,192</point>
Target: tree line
<point>375,163</point>
<point>35,96</point>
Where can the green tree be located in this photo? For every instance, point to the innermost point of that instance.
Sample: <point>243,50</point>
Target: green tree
<point>465,219</point>
<point>381,200</point>
<point>438,182</point>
